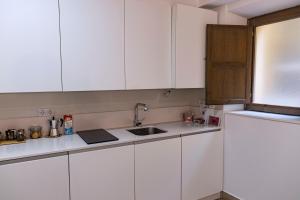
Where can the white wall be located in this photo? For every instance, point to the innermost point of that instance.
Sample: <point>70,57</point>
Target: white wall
<point>186,2</point>
<point>262,158</point>
<point>226,17</point>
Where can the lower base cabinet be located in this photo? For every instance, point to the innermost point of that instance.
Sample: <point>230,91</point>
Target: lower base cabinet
<point>43,179</point>
<point>202,165</point>
<point>158,170</point>
<point>186,168</point>
<point>105,174</point>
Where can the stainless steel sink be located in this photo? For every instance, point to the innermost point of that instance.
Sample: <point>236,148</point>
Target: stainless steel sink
<point>146,131</point>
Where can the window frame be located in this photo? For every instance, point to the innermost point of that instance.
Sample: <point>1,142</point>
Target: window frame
<point>253,23</point>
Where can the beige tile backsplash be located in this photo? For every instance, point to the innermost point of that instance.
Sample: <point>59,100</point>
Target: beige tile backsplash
<point>125,118</point>
<point>104,109</point>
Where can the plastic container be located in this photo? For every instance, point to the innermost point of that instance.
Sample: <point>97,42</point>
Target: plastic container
<point>68,124</point>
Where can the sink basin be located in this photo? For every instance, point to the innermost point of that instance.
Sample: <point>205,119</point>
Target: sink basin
<point>146,131</point>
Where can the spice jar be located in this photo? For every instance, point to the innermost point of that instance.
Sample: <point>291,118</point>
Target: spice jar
<point>35,132</point>
<point>11,134</point>
<point>21,135</point>
<point>188,117</point>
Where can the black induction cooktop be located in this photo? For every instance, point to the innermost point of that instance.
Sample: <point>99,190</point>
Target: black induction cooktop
<point>96,136</point>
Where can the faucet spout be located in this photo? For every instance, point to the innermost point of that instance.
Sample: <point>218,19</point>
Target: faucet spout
<point>136,121</point>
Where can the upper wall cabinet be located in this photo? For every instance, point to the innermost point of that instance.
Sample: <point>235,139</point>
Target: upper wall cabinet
<point>189,37</point>
<point>92,44</point>
<point>147,44</point>
<point>29,46</point>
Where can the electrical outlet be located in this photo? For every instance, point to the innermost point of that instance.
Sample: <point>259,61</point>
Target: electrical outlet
<point>44,112</point>
<point>212,107</point>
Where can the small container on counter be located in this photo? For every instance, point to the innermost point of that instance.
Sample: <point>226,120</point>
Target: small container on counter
<point>188,117</point>
<point>35,132</point>
<point>199,121</point>
<point>11,134</point>
<point>68,124</point>
<point>21,135</point>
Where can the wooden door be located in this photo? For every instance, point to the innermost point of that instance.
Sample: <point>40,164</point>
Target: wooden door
<point>227,64</point>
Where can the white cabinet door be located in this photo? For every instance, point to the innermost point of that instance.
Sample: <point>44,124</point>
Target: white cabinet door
<point>158,170</point>
<point>106,174</point>
<point>92,44</point>
<point>45,179</point>
<point>147,44</point>
<point>189,44</point>
<point>29,46</point>
<point>202,165</point>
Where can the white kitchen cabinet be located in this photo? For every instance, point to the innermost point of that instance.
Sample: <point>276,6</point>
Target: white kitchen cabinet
<point>202,165</point>
<point>189,44</point>
<point>106,174</point>
<point>45,179</point>
<point>148,44</point>
<point>92,33</point>
<point>262,156</point>
<point>29,46</point>
<point>158,170</point>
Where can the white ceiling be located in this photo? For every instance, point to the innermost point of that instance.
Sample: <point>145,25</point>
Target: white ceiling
<point>214,3</point>
<point>250,8</point>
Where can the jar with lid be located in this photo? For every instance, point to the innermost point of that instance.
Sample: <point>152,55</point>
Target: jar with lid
<point>21,135</point>
<point>35,132</point>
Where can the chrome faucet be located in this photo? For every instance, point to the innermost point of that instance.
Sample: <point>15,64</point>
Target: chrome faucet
<point>136,121</point>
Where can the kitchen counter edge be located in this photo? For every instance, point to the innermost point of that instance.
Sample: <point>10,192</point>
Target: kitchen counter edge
<point>69,144</point>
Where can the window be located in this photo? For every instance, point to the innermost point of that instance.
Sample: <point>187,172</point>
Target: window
<point>276,62</point>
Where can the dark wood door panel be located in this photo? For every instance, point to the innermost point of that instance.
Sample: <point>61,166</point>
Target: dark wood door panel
<point>228,44</point>
<point>226,64</point>
<point>224,84</point>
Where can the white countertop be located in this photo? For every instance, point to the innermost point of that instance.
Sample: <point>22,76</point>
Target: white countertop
<point>69,143</point>
<point>268,116</point>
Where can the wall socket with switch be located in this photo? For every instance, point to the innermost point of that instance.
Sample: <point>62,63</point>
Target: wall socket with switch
<point>45,112</point>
